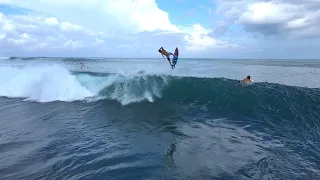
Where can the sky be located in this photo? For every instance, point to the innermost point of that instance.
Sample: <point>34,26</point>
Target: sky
<point>138,28</point>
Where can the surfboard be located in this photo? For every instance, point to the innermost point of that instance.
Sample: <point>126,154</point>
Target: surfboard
<point>175,54</point>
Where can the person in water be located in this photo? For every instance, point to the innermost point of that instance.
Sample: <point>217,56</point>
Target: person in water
<point>163,52</point>
<point>175,57</point>
<point>245,80</point>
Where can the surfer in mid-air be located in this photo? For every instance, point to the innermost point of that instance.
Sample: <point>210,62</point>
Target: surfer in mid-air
<point>163,52</point>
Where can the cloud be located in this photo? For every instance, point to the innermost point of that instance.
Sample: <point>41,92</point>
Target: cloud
<point>281,18</point>
<point>51,21</point>
<point>34,33</point>
<point>200,39</point>
<point>97,28</point>
<point>139,15</point>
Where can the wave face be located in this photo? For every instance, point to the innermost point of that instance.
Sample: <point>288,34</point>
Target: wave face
<point>56,83</point>
<point>218,95</point>
<point>125,89</point>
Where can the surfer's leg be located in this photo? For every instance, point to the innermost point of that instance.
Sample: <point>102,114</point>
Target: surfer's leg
<point>174,61</point>
<point>168,57</point>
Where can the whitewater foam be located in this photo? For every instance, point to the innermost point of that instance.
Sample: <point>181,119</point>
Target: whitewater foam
<point>46,83</point>
<point>41,83</point>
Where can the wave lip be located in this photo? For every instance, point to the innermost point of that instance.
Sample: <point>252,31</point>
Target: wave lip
<point>135,89</point>
<point>124,88</point>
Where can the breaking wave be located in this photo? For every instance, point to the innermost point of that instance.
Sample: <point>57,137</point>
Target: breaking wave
<point>56,83</point>
<point>273,105</point>
<point>43,83</point>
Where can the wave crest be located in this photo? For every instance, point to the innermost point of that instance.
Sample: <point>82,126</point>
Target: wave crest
<point>125,89</point>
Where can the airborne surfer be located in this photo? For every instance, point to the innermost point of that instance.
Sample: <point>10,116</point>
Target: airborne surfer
<point>163,52</point>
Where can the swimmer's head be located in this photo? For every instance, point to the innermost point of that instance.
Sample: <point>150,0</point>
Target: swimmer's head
<point>248,77</point>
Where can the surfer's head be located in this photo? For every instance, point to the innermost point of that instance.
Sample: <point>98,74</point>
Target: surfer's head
<point>248,77</point>
<point>159,50</point>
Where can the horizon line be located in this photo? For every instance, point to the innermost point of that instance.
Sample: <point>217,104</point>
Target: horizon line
<point>93,57</point>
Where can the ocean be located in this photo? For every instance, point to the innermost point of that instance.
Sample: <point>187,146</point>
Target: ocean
<point>138,119</point>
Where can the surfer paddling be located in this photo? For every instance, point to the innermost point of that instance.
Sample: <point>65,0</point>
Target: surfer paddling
<point>246,80</point>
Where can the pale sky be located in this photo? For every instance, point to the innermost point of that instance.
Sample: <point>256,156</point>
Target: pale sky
<point>138,28</point>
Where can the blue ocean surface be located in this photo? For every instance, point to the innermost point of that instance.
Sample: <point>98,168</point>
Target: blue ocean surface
<point>99,118</point>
